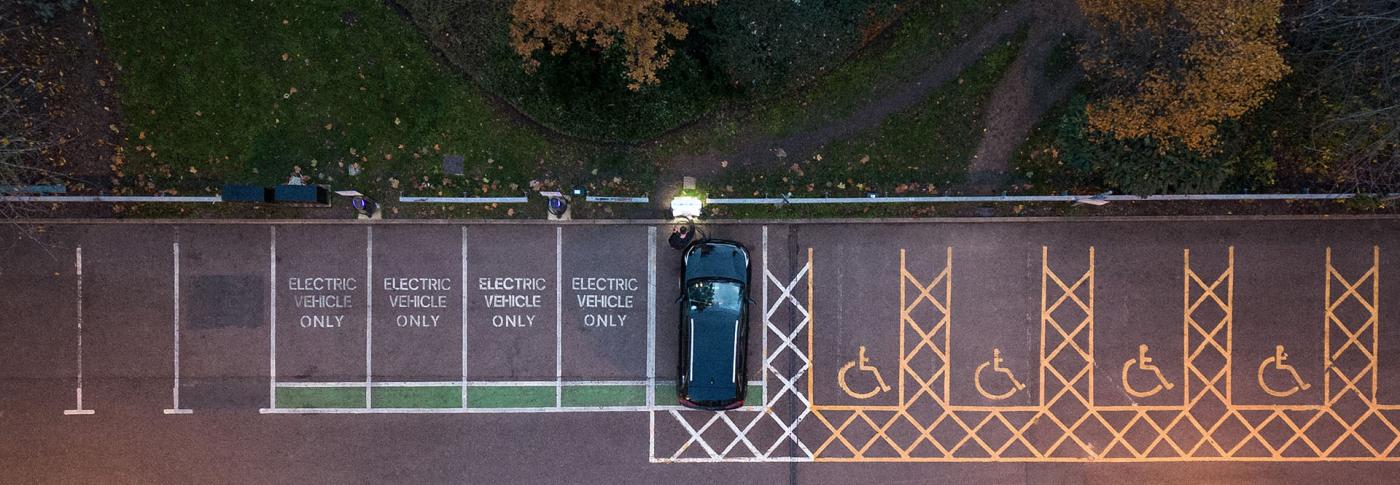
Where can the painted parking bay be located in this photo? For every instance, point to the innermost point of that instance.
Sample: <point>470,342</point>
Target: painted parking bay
<point>488,319</point>
<point>1272,335</point>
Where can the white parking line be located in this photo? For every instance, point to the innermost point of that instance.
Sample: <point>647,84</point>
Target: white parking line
<point>571,409</point>
<point>559,316</point>
<point>464,317</point>
<point>78,268</point>
<point>369,315</point>
<point>765,311</point>
<point>175,386</point>
<point>272,320</point>
<point>651,316</point>
<point>471,383</point>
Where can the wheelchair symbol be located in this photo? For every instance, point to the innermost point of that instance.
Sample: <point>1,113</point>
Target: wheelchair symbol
<point>996,367</point>
<point>866,367</point>
<point>1144,362</point>
<point>1277,361</point>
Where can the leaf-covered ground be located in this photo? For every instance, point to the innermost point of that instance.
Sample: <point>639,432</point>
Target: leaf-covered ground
<point>253,91</point>
<point>259,91</point>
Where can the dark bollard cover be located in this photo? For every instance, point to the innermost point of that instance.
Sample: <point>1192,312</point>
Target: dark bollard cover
<point>311,194</point>
<point>245,193</point>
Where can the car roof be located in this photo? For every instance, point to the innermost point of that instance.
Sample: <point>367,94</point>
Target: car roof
<point>713,357</point>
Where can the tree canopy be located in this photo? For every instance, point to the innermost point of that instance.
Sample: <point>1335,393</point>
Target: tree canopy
<point>640,28</point>
<point>1173,70</point>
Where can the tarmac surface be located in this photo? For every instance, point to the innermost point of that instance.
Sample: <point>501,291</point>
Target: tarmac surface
<point>1220,350</point>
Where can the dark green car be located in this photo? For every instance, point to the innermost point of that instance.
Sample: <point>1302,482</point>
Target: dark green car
<point>714,334</point>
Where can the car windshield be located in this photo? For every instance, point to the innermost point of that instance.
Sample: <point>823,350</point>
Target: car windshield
<point>714,295</point>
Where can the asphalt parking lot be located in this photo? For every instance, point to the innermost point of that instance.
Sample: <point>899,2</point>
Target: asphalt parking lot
<point>1075,351</point>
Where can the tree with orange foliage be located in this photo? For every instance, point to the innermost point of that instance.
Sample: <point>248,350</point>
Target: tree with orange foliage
<point>639,27</point>
<point>1173,70</point>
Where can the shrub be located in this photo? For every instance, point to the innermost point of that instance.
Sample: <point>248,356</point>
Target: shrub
<point>48,9</point>
<point>1143,166</point>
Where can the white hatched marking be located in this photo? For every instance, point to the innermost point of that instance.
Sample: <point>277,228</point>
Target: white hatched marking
<point>788,386</point>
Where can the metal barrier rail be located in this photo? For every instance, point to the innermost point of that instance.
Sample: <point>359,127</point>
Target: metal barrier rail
<point>111,198</point>
<point>618,200</point>
<point>1030,198</point>
<point>465,200</point>
<point>757,200</point>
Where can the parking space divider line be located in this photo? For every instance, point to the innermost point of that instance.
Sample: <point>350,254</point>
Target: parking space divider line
<point>578,409</point>
<point>651,318</point>
<point>464,317</point>
<point>175,385</point>
<point>272,320</point>
<point>78,270</point>
<point>369,316</point>
<point>765,315</point>
<point>375,384</point>
<point>558,316</point>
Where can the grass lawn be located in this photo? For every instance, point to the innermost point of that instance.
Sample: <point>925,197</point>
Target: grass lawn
<point>914,152</point>
<point>916,42</point>
<point>220,91</point>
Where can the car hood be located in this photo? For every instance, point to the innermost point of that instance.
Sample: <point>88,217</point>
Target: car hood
<point>716,261</point>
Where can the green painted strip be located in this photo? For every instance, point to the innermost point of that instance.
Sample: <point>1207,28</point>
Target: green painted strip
<point>418,397</point>
<point>486,396</point>
<point>666,393</point>
<point>605,395</point>
<point>755,395</point>
<point>320,397</point>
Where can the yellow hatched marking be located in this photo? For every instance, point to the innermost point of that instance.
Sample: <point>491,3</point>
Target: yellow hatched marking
<point>1207,408</point>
